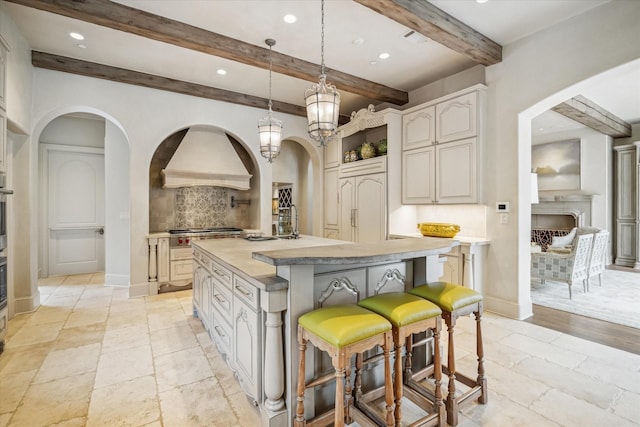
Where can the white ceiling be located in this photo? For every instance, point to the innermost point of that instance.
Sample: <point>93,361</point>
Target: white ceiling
<point>414,62</point>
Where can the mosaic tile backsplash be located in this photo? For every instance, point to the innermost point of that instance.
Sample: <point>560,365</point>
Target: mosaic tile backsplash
<point>195,207</point>
<point>198,207</point>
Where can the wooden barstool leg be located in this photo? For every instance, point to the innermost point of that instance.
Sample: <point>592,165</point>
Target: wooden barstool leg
<point>408,359</point>
<point>348,393</point>
<point>338,420</point>
<point>302,346</point>
<point>358,379</point>
<point>388,392</point>
<point>437,368</point>
<point>397,384</point>
<point>482,380</point>
<point>452,402</point>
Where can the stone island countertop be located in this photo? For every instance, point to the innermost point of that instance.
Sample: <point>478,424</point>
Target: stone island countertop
<point>357,253</point>
<point>237,253</point>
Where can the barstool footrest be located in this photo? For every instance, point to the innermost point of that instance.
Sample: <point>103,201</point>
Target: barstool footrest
<point>327,419</point>
<point>425,403</point>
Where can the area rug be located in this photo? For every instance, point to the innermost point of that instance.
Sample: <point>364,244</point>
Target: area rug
<point>616,301</point>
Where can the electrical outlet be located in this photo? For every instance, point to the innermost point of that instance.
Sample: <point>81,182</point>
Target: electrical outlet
<point>504,218</point>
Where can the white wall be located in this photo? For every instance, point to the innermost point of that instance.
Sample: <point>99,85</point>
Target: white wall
<point>85,131</point>
<point>537,73</point>
<point>116,215</point>
<point>147,117</point>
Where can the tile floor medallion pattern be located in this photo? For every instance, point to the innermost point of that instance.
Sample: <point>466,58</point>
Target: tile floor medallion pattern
<point>616,301</point>
<point>91,356</point>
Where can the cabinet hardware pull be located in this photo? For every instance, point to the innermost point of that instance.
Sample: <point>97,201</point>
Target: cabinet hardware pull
<point>218,329</point>
<point>220,299</point>
<point>243,291</point>
<point>219,273</point>
<point>353,217</point>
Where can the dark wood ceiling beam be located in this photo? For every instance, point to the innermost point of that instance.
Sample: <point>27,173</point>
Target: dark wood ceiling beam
<point>92,69</point>
<point>590,114</point>
<point>124,18</point>
<point>426,19</point>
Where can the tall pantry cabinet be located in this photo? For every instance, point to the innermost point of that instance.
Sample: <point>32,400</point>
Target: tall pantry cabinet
<point>355,192</point>
<point>3,106</point>
<point>441,149</point>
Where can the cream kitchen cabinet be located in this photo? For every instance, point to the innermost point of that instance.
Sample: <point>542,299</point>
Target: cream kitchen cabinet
<point>442,151</point>
<point>3,141</point>
<point>441,174</point>
<point>3,73</point>
<point>331,200</point>
<point>419,128</point>
<point>362,201</point>
<point>333,152</point>
<point>456,118</point>
<point>247,337</point>
<point>229,308</point>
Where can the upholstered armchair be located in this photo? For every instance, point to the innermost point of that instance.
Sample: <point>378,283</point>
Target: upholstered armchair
<point>596,259</point>
<point>571,267</point>
<point>563,244</point>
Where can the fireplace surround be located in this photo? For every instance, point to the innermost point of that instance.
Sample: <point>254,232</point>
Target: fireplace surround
<point>557,215</point>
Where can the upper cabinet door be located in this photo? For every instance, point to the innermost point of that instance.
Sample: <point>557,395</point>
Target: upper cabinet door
<point>418,176</point>
<point>418,128</point>
<point>456,118</point>
<point>332,152</point>
<point>3,75</point>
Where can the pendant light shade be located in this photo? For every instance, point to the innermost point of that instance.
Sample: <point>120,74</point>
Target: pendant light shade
<point>270,128</point>
<point>322,101</point>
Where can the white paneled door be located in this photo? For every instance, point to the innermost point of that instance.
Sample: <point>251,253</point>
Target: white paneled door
<point>76,211</point>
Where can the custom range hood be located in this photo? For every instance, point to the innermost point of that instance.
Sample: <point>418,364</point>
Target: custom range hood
<point>205,157</point>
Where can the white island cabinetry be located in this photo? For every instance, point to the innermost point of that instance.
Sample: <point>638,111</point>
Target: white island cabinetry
<point>259,289</point>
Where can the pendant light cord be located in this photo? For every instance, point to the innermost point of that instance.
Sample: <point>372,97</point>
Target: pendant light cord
<point>270,43</point>
<point>322,38</point>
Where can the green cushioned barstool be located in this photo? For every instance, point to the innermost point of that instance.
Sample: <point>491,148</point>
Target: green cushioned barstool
<point>456,301</point>
<point>410,314</point>
<point>342,331</point>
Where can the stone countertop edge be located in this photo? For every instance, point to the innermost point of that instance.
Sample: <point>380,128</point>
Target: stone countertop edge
<point>236,255</point>
<point>158,234</point>
<point>464,240</point>
<point>357,253</point>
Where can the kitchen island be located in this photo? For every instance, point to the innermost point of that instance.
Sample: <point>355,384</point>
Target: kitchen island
<point>249,295</point>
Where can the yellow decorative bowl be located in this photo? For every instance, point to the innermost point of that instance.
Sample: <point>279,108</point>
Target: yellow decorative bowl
<point>438,229</point>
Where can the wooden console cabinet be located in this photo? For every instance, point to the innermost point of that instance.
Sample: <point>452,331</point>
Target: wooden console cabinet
<point>627,205</point>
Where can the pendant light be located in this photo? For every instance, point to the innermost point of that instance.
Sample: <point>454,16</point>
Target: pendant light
<point>323,101</point>
<point>270,128</point>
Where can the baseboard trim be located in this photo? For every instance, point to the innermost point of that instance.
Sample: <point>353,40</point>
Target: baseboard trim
<point>119,280</point>
<point>26,304</point>
<point>139,290</point>
<point>508,308</point>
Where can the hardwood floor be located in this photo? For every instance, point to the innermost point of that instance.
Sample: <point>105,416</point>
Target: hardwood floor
<point>611,334</point>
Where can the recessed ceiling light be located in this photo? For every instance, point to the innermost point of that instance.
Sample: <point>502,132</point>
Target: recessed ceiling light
<point>384,55</point>
<point>359,41</point>
<point>76,36</point>
<point>82,46</point>
<point>373,62</point>
<point>481,1</point>
<point>290,19</point>
<point>221,72</point>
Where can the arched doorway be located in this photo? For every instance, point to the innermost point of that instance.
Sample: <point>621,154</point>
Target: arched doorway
<point>83,181</point>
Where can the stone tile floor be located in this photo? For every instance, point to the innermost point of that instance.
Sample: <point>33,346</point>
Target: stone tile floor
<point>90,356</point>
